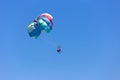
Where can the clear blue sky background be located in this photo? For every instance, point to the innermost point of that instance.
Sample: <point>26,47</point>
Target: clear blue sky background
<point>87,30</point>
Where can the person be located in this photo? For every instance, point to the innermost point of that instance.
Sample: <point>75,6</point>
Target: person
<point>59,50</point>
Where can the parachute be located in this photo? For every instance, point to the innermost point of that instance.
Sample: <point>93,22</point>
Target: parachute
<point>43,23</point>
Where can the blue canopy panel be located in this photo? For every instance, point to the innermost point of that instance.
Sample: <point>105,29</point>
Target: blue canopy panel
<point>33,30</point>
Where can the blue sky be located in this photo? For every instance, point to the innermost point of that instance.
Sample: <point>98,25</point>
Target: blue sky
<point>87,30</point>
